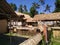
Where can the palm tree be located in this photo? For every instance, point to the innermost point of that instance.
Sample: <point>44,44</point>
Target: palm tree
<point>20,9</point>
<point>42,1</point>
<point>25,8</point>
<point>57,4</point>
<point>35,5</point>
<point>47,8</point>
<point>13,6</point>
<point>33,10</point>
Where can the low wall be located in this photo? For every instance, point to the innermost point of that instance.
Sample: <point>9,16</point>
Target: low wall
<point>33,40</point>
<point>3,26</point>
<point>56,32</point>
<point>26,32</point>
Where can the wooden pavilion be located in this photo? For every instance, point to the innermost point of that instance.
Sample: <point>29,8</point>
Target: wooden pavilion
<point>6,12</point>
<point>52,17</point>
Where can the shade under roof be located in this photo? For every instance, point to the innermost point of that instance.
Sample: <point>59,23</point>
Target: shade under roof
<point>6,9</point>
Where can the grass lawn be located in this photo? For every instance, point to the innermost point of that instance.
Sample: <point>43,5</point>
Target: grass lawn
<point>56,43</point>
<point>14,34</point>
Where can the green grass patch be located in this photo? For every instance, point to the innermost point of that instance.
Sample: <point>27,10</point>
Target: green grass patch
<point>19,35</point>
<point>56,43</point>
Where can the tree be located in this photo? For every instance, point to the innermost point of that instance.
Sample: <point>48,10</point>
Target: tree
<point>13,6</point>
<point>33,11</point>
<point>57,4</point>
<point>25,8</point>
<point>47,8</point>
<point>42,1</point>
<point>20,9</point>
<point>41,13</point>
<point>35,5</point>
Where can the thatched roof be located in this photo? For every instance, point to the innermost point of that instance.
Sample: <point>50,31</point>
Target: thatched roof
<point>51,16</point>
<point>5,9</point>
<point>26,16</point>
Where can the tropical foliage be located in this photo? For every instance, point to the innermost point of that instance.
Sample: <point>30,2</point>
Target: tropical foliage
<point>57,6</point>
<point>13,6</point>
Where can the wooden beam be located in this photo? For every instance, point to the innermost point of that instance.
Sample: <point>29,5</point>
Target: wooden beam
<point>7,9</point>
<point>55,27</point>
<point>2,11</point>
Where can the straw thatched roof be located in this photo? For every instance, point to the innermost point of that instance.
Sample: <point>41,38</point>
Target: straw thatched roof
<point>51,16</point>
<point>26,16</point>
<point>5,9</point>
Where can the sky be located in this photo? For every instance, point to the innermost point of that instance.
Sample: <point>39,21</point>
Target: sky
<point>28,3</point>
